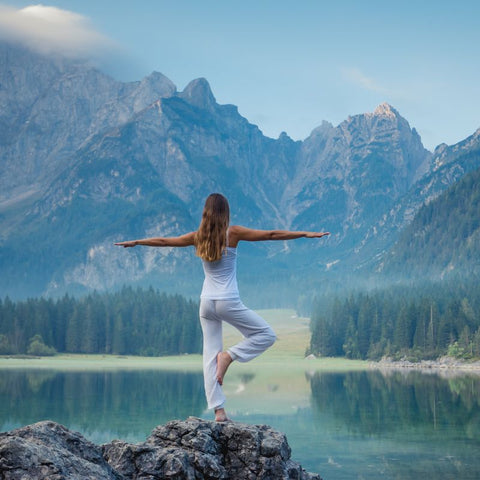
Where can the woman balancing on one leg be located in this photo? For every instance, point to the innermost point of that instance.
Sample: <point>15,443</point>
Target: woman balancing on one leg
<point>216,244</point>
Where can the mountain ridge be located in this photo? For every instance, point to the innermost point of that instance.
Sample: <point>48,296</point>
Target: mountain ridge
<point>146,158</point>
<point>444,235</point>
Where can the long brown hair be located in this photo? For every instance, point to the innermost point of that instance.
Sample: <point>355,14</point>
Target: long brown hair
<point>211,236</point>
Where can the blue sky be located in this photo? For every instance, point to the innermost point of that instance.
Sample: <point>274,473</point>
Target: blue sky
<point>289,65</point>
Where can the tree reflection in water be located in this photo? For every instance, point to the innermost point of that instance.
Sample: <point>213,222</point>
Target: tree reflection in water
<point>102,404</point>
<point>376,402</point>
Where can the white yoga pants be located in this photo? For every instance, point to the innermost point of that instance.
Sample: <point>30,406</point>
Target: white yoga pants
<point>257,333</point>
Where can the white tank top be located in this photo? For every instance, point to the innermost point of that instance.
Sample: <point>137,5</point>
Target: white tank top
<point>221,277</point>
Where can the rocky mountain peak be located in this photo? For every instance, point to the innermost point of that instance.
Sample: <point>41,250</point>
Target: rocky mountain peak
<point>199,94</point>
<point>151,89</point>
<point>439,149</point>
<point>284,137</point>
<point>323,129</point>
<point>385,110</point>
<point>383,117</point>
<point>86,151</point>
<point>445,154</point>
<point>161,84</point>
<point>384,125</point>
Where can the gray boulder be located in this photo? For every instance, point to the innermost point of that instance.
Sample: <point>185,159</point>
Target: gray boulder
<point>47,450</point>
<point>193,449</point>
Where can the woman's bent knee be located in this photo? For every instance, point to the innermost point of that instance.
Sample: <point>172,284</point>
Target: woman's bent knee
<point>270,338</point>
<point>262,340</point>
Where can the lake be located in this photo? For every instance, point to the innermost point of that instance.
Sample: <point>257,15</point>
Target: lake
<point>344,425</point>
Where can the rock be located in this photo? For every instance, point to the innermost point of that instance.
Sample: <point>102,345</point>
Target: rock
<point>47,450</point>
<point>193,449</point>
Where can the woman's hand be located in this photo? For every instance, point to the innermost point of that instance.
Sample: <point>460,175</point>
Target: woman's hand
<point>316,234</point>
<point>130,243</point>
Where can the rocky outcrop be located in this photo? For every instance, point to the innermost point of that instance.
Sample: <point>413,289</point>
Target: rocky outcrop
<point>47,450</point>
<point>192,449</point>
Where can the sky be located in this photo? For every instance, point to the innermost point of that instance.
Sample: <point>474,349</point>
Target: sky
<point>287,65</point>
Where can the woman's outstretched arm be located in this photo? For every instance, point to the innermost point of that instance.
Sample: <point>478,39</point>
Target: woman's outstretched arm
<point>182,241</point>
<point>237,233</point>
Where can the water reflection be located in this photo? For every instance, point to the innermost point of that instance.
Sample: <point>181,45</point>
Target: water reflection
<point>398,424</point>
<point>102,405</point>
<point>375,403</point>
<point>348,425</point>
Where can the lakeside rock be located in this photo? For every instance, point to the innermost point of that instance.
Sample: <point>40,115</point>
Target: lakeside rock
<point>47,450</point>
<point>447,366</point>
<point>193,449</point>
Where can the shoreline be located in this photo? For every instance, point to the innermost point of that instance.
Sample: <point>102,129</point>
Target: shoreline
<point>443,364</point>
<point>190,362</point>
<point>193,362</point>
<point>83,362</point>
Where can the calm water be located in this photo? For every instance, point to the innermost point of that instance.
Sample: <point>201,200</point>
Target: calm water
<point>354,425</point>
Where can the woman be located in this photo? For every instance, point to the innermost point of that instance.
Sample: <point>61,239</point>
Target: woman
<point>215,243</point>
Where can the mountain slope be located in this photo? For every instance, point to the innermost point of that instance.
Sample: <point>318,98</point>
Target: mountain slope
<point>448,165</point>
<point>361,168</point>
<point>114,161</point>
<point>444,236</point>
<point>50,106</point>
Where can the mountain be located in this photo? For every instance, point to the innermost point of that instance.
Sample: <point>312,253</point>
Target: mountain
<point>447,166</point>
<point>360,169</point>
<point>87,161</point>
<point>444,236</point>
<point>50,106</point>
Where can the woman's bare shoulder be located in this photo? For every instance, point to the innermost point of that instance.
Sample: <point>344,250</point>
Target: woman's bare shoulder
<point>238,232</point>
<point>234,234</point>
<point>235,229</point>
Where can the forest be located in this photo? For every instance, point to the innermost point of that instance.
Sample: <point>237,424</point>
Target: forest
<point>127,322</point>
<point>444,235</point>
<point>416,322</point>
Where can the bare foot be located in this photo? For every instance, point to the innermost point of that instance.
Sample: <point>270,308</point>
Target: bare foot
<point>221,415</point>
<point>223,362</point>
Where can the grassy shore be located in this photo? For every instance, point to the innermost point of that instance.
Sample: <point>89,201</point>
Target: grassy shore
<point>277,382</point>
<point>293,336</point>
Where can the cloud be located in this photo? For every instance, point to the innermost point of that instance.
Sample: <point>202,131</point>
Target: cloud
<point>356,76</point>
<point>52,30</point>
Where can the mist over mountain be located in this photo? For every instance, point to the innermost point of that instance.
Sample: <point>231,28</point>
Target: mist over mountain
<point>87,161</point>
